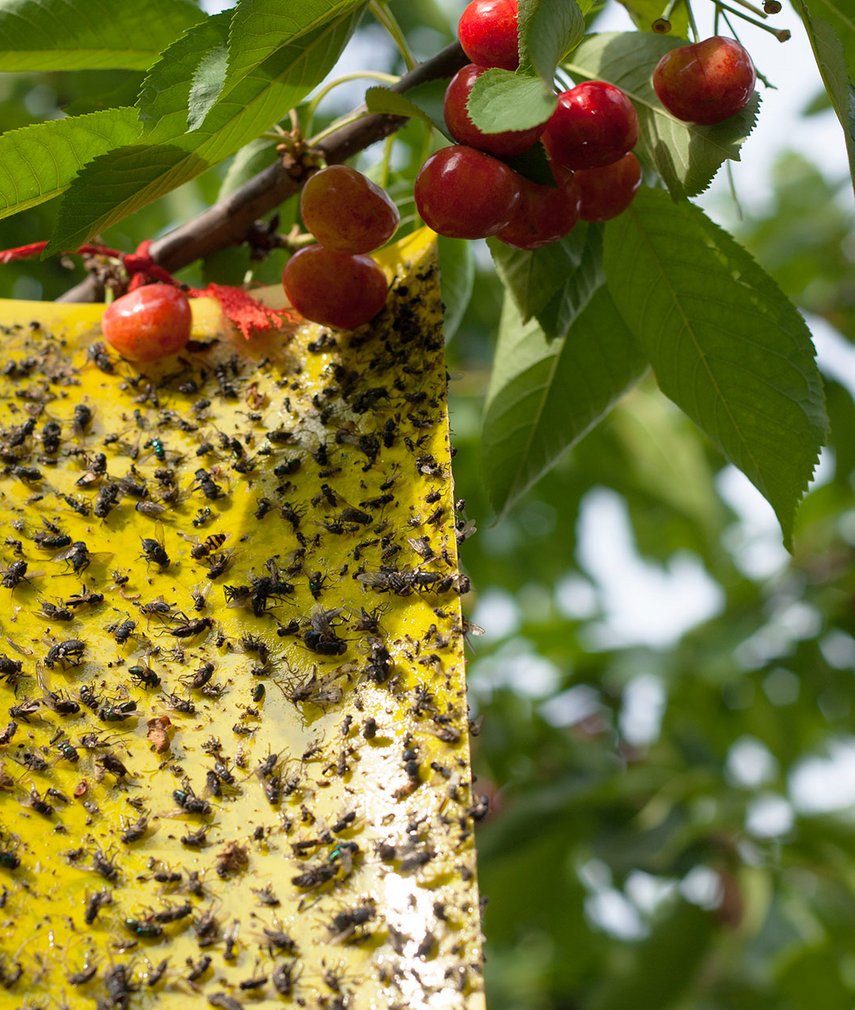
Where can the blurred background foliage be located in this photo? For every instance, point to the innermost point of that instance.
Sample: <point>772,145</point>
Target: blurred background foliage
<point>665,699</point>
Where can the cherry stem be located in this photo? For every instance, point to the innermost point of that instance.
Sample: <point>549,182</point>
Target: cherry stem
<point>387,19</point>
<point>749,7</point>
<point>373,75</point>
<point>662,25</point>
<point>781,34</point>
<point>230,220</point>
<point>692,25</point>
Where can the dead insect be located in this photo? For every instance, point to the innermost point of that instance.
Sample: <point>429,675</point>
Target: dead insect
<point>9,731</point>
<point>122,630</point>
<point>157,973</point>
<point>144,675</point>
<point>200,678</point>
<point>105,865</point>
<point>154,552</point>
<point>14,575</point>
<point>224,1002</point>
<point>157,608</point>
<point>135,830</point>
<point>55,613</point>
<point>88,697</point>
<point>217,564</point>
<point>77,556</point>
<point>202,548</point>
<point>191,628</point>
<point>321,637</point>
<point>196,839</point>
<point>106,499</point>
<point>198,969</point>
<point>24,709</point>
<point>116,712</point>
<point>67,653</point>
<point>152,509</point>
<point>109,762</point>
<point>84,598</point>
<point>40,805</point>
<point>176,703</point>
<point>67,750</point>
<point>81,419</point>
<point>94,903</point>
<point>283,978</point>
<point>10,670</point>
<point>86,974</point>
<point>207,485</point>
<point>345,923</point>
<point>145,928</point>
<point>189,801</point>
<point>173,913</point>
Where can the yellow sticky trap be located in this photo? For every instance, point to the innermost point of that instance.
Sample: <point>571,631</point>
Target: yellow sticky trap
<point>235,765</point>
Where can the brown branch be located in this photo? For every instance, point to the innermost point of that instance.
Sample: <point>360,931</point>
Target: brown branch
<point>228,222</point>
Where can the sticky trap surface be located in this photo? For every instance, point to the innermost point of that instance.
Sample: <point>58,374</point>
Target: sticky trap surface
<point>235,766</point>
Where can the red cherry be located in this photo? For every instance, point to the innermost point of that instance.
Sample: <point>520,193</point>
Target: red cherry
<point>346,211</point>
<point>705,82</point>
<point>464,193</point>
<point>148,323</point>
<point>593,125</point>
<point>488,31</point>
<point>606,192</point>
<point>543,215</point>
<point>333,288</point>
<point>461,127</point>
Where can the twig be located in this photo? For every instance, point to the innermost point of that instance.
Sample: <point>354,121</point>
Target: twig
<point>228,222</point>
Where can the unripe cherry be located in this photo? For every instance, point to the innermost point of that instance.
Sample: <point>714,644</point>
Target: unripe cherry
<point>464,131</point>
<point>346,211</point>
<point>334,288</point>
<point>464,193</point>
<point>148,323</point>
<point>593,125</point>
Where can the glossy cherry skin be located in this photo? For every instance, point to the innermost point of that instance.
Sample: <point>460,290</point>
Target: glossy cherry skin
<point>489,33</point>
<point>593,125</point>
<point>543,215</point>
<point>706,82</point>
<point>148,323</point>
<point>333,288</point>
<point>346,211</point>
<point>464,193</point>
<point>464,131</point>
<point>606,192</point>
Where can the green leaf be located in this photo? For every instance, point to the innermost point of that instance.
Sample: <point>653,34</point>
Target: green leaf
<point>89,34</point>
<point>685,155</point>
<point>545,395</point>
<point>457,276</point>
<point>429,98</point>
<point>206,86</point>
<point>165,96</point>
<point>554,283</point>
<point>119,183</point>
<point>503,100</point>
<point>251,159</point>
<point>832,38</point>
<point>261,29</point>
<point>549,30</point>
<point>645,12</point>
<point>577,287</point>
<point>393,103</point>
<point>726,345</point>
<point>39,162</point>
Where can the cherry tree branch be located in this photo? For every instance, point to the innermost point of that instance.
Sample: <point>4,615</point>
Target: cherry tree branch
<point>229,221</point>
